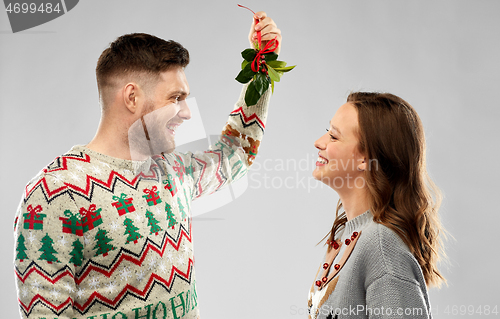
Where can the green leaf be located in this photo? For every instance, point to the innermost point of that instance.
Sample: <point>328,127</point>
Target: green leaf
<point>248,54</point>
<point>272,85</point>
<point>271,57</point>
<point>287,69</point>
<point>251,95</point>
<point>246,74</point>
<point>244,64</point>
<point>261,83</point>
<point>276,64</point>
<point>273,74</point>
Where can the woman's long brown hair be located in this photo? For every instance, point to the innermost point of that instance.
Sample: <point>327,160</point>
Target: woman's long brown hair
<point>404,198</point>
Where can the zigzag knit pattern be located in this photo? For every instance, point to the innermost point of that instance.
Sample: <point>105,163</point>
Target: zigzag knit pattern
<point>101,237</point>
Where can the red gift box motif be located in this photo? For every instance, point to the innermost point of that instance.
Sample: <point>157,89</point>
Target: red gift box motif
<point>71,223</point>
<point>170,185</point>
<point>152,196</point>
<point>123,205</point>
<point>91,217</point>
<point>33,220</point>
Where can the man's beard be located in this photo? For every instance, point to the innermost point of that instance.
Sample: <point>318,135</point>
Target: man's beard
<point>149,136</point>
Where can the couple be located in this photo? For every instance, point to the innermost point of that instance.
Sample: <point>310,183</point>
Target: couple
<point>104,230</point>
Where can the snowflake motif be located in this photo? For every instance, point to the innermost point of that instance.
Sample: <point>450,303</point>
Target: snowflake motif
<point>55,293</point>
<point>158,210</point>
<point>94,282</point>
<point>141,275</point>
<point>169,256</point>
<point>114,225</point>
<point>68,287</point>
<point>24,292</point>
<point>106,164</point>
<point>79,167</point>
<point>163,267</point>
<point>36,284</point>
<point>125,274</point>
<point>31,237</point>
<point>96,170</point>
<point>111,287</point>
<point>56,178</point>
<point>138,218</point>
<point>80,292</point>
<point>152,263</point>
<point>87,240</point>
<point>186,248</point>
<point>75,176</point>
<point>181,260</point>
<point>63,241</point>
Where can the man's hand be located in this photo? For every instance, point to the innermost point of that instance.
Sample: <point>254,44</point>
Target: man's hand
<point>268,30</point>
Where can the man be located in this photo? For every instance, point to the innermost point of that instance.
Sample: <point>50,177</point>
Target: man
<point>104,230</point>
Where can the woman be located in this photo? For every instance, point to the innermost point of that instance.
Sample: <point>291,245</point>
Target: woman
<point>384,243</point>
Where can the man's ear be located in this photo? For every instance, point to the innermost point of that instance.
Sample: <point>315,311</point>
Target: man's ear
<point>130,95</point>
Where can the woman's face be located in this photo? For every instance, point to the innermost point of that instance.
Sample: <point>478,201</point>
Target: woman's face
<point>340,164</point>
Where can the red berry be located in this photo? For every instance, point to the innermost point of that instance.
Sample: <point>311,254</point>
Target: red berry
<point>335,245</point>
<point>318,283</point>
<point>337,266</point>
<point>325,279</point>
<point>347,241</point>
<point>325,265</point>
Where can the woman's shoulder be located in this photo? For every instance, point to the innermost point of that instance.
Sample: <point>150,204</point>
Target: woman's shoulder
<point>384,252</point>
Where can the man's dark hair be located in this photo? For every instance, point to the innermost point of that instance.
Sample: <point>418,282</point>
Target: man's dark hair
<point>138,54</point>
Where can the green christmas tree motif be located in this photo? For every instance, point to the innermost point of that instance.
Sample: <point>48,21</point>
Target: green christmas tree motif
<point>47,250</point>
<point>21,255</point>
<point>131,231</point>
<point>77,253</point>
<point>155,228</point>
<point>102,245</point>
<point>181,208</point>
<point>170,216</point>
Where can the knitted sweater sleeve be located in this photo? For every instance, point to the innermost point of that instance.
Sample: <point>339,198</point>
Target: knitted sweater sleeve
<point>391,296</point>
<point>46,260</point>
<point>231,156</point>
<point>395,287</point>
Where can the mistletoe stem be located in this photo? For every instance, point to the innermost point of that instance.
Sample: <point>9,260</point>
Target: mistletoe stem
<point>255,21</point>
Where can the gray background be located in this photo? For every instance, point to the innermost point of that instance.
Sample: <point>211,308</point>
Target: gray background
<point>256,256</point>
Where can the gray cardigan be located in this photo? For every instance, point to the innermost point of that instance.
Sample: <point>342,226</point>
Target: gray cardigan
<point>380,279</point>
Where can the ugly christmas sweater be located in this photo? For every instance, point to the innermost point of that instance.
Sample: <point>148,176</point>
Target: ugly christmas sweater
<point>106,238</point>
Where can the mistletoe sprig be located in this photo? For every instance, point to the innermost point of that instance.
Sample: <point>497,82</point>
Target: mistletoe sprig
<point>261,65</point>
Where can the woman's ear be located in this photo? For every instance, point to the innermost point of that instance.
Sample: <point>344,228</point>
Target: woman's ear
<point>363,164</point>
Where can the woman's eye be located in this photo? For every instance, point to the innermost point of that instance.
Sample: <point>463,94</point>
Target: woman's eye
<point>331,136</point>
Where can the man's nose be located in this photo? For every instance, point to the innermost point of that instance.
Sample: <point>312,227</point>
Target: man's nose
<point>184,111</point>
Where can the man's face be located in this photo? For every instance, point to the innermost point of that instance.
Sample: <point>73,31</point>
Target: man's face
<point>164,110</point>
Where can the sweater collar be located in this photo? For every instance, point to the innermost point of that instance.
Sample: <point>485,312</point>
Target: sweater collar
<point>114,162</point>
<point>358,223</point>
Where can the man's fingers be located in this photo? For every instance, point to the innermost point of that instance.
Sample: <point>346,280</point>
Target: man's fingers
<point>267,28</point>
<point>264,23</point>
<point>271,36</point>
<point>260,15</point>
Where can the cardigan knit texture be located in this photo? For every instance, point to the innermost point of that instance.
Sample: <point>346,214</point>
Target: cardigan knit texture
<point>99,237</point>
<point>380,279</point>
